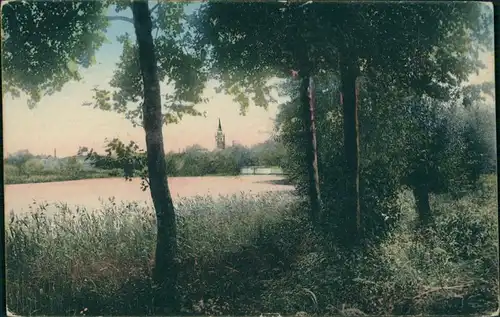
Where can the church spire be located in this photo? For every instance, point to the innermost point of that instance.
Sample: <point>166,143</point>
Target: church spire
<point>220,138</point>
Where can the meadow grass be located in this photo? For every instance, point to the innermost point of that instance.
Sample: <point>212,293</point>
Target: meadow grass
<point>245,254</point>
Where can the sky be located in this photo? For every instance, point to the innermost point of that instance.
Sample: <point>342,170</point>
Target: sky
<point>61,122</point>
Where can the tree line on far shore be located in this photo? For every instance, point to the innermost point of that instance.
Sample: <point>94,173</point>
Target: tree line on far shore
<point>194,160</point>
<point>23,166</point>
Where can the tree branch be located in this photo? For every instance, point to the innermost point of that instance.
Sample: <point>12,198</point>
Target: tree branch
<point>156,34</point>
<point>154,8</point>
<point>120,18</point>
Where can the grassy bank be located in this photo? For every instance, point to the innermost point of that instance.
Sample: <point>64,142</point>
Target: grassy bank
<point>57,176</point>
<point>247,255</point>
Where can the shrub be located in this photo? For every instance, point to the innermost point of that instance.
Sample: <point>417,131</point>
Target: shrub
<point>33,166</point>
<point>450,270</point>
<point>10,170</point>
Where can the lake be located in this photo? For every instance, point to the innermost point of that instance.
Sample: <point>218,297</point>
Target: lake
<point>87,192</point>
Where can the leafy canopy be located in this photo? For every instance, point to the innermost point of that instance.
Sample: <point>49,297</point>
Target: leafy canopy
<point>44,44</point>
<point>428,48</point>
<point>44,41</point>
<point>180,69</point>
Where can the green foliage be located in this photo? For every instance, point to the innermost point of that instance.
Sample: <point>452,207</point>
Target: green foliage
<point>270,153</point>
<point>232,159</point>
<point>480,140</point>
<point>248,255</point>
<point>33,166</point>
<point>19,159</point>
<point>72,166</point>
<point>43,43</point>
<point>193,161</point>
<point>128,157</point>
<point>128,160</point>
<point>23,167</point>
<point>57,176</point>
<point>405,274</point>
<point>9,171</point>
<point>393,50</point>
<point>180,68</point>
<point>428,48</point>
<point>403,140</point>
<point>381,164</point>
<point>447,148</point>
<point>458,256</point>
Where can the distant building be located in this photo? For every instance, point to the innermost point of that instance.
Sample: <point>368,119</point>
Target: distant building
<point>220,138</point>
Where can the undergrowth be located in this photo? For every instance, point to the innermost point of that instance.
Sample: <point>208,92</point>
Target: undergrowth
<point>247,254</point>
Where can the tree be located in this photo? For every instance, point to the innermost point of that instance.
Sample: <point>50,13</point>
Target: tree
<point>195,161</point>
<point>165,270</point>
<point>72,166</point>
<point>251,42</point>
<point>447,149</point>
<point>244,72</point>
<point>33,166</point>
<point>46,42</point>
<point>269,153</point>
<point>381,164</point>
<point>41,63</point>
<point>19,160</point>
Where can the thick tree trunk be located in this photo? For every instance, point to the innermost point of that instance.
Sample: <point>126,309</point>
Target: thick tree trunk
<point>349,73</point>
<point>307,110</point>
<point>165,270</point>
<point>421,194</point>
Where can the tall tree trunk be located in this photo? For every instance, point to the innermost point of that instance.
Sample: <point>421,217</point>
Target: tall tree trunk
<point>421,194</point>
<point>349,72</point>
<point>307,114</point>
<point>165,269</point>
<point>312,110</point>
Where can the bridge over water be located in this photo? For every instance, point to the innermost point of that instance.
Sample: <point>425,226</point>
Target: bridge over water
<point>261,170</point>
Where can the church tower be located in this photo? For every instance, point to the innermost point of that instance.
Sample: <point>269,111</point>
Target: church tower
<point>220,138</point>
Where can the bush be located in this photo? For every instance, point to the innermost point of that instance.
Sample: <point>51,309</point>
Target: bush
<point>10,170</point>
<point>452,269</point>
<point>33,166</point>
<point>115,172</point>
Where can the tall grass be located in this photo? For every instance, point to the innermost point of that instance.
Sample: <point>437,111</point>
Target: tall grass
<point>250,254</point>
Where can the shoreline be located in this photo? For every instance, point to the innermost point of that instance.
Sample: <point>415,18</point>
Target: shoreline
<point>61,179</point>
<point>55,179</point>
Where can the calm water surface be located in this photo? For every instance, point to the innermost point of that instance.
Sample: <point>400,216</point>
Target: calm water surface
<point>88,192</point>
